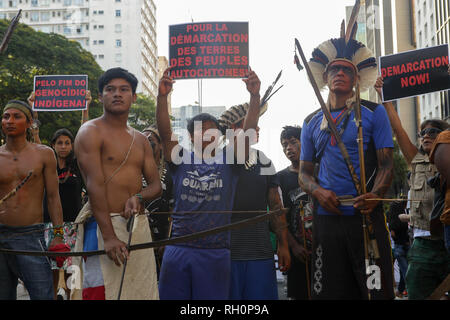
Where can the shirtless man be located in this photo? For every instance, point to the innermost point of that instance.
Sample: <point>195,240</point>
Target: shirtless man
<point>113,157</point>
<point>22,213</point>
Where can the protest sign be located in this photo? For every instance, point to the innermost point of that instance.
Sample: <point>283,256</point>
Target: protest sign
<point>209,50</point>
<point>416,72</point>
<point>60,92</point>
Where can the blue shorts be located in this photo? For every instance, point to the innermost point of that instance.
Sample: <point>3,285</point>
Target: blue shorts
<point>194,274</point>
<point>35,272</point>
<point>253,280</point>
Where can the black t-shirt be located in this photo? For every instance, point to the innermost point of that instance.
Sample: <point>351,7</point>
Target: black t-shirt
<point>70,187</point>
<point>255,180</point>
<point>291,199</point>
<point>400,228</point>
<point>288,183</point>
<point>160,223</point>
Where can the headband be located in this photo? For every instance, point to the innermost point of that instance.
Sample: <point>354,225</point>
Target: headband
<point>21,107</point>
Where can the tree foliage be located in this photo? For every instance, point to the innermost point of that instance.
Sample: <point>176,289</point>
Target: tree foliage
<point>32,53</point>
<point>399,183</point>
<point>142,112</point>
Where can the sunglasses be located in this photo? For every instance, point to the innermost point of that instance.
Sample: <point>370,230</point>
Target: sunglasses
<point>431,132</point>
<point>334,70</point>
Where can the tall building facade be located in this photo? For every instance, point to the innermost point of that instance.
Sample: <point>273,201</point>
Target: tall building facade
<point>117,32</point>
<point>425,31</point>
<point>442,14</point>
<point>387,28</point>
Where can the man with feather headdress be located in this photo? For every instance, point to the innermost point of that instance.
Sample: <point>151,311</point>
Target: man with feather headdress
<point>341,252</point>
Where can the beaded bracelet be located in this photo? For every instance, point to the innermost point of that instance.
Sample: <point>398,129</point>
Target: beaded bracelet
<point>58,231</point>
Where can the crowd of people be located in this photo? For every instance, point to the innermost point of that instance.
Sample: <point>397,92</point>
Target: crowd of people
<point>111,186</point>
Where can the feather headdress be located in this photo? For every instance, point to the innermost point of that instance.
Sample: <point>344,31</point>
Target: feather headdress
<point>354,52</point>
<point>237,113</point>
<point>348,49</point>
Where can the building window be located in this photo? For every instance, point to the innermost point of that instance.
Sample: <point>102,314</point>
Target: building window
<point>118,14</point>
<point>101,41</point>
<point>118,43</point>
<point>34,16</point>
<point>101,12</point>
<point>101,56</point>
<point>45,16</point>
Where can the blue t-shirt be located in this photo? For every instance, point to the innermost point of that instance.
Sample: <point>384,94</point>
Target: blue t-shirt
<point>333,172</point>
<point>203,187</point>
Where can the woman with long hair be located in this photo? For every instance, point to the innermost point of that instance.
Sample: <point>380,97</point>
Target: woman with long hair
<point>70,190</point>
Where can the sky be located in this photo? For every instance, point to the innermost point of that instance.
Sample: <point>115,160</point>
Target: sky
<point>273,26</point>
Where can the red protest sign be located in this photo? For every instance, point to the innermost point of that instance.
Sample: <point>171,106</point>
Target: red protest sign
<point>60,92</point>
<point>416,72</point>
<point>209,50</point>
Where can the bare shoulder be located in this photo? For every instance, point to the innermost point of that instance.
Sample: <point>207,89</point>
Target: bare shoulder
<point>42,149</point>
<point>140,137</point>
<point>89,132</point>
<point>90,127</point>
<point>42,154</point>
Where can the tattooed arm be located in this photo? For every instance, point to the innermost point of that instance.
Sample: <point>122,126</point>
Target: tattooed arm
<point>327,198</point>
<point>279,227</point>
<point>382,181</point>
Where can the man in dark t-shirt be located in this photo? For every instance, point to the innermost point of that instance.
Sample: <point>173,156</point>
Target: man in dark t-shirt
<point>288,178</point>
<point>253,275</point>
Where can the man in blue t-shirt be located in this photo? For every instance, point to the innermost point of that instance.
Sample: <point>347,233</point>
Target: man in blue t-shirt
<point>339,266</point>
<point>203,182</point>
